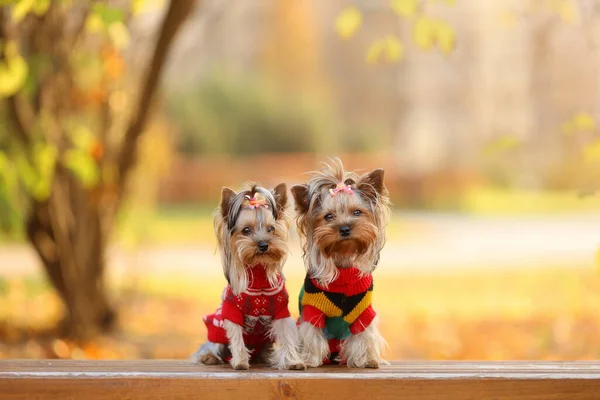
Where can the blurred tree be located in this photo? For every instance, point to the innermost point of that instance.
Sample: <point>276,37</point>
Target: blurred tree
<point>73,115</point>
<point>291,51</point>
<point>242,115</point>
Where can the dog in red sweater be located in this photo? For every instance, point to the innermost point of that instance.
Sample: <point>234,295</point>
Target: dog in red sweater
<point>341,220</point>
<point>253,321</point>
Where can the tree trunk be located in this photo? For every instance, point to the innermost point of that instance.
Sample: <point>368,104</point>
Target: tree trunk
<point>69,233</point>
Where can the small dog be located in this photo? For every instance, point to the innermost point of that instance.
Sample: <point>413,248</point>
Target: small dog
<point>253,321</point>
<point>341,218</point>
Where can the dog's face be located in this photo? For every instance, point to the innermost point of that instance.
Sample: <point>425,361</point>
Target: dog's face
<point>252,229</point>
<point>341,217</point>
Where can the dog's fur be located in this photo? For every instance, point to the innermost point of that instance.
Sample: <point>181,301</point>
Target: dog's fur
<point>319,218</point>
<point>239,249</point>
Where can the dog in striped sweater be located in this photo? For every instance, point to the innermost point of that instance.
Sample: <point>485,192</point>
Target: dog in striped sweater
<point>341,218</point>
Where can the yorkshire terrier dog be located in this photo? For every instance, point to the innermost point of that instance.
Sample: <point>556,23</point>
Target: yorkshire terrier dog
<point>253,321</point>
<point>341,218</point>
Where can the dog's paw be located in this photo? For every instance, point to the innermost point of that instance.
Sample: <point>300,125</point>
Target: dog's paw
<point>296,367</point>
<point>314,360</point>
<point>209,359</point>
<point>372,364</point>
<point>240,365</point>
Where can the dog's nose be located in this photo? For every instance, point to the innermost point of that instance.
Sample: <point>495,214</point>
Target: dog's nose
<point>263,246</point>
<point>345,231</point>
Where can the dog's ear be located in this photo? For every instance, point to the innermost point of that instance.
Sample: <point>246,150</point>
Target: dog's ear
<point>226,195</point>
<point>281,197</point>
<point>300,193</point>
<point>371,183</point>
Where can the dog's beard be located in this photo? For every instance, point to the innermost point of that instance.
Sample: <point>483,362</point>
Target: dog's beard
<point>329,251</point>
<point>246,255</point>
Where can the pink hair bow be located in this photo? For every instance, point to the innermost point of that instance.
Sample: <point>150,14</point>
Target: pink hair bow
<point>254,203</point>
<point>341,188</point>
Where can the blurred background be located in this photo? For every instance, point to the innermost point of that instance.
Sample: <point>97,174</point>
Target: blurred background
<point>120,121</point>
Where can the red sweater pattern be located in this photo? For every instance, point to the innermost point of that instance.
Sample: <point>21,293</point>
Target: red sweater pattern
<point>254,309</point>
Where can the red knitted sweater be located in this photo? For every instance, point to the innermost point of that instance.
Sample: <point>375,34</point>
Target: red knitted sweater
<point>254,309</point>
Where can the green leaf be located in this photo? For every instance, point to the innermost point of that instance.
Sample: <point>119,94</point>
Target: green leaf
<point>108,14</point>
<point>348,22</point>
<point>404,8</point>
<point>13,71</point>
<point>83,166</point>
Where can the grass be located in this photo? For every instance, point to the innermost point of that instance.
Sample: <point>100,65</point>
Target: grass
<point>185,224</point>
<point>494,201</point>
<point>533,313</point>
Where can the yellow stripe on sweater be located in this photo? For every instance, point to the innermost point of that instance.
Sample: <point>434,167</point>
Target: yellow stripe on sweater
<point>360,307</point>
<point>320,301</point>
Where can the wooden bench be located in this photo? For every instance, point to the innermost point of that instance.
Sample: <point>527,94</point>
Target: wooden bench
<point>162,379</point>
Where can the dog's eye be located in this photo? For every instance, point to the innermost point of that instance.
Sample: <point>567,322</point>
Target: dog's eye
<point>328,217</point>
<point>357,213</point>
<point>246,231</point>
<point>271,229</point>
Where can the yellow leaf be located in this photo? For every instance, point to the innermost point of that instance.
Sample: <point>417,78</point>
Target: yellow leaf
<point>41,6</point>
<point>502,144</point>
<point>598,259</point>
<point>119,35</point>
<point>82,137</point>
<point>83,166</point>
<point>374,51</point>
<point>94,23</point>
<point>592,152</point>
<point>404,8</point>
<point>21,9</point>
<point>584,121</point>
<point>567,11</point>
<point>394,48</point>
<point>391,47</point>
<point>424,33</point>
<point>568,127</point>
<point>348,22</point>
<point>13,71</point>
<point>451,2</point>
<point>446,37</point>
<point>508,19</point>
<point>138,6</point>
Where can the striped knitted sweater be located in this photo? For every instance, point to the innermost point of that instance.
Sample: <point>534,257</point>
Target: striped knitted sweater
<point>343,307</point>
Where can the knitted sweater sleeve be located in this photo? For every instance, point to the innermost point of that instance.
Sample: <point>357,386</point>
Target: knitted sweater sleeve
<point>282,310</point>
<point>363,320</point>
<point>231,311</point>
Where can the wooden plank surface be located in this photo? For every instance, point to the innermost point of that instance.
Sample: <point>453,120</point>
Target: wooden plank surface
<point>165,379</point>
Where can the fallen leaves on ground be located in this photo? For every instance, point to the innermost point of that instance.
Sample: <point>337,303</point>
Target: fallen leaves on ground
<point>544,314</point>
